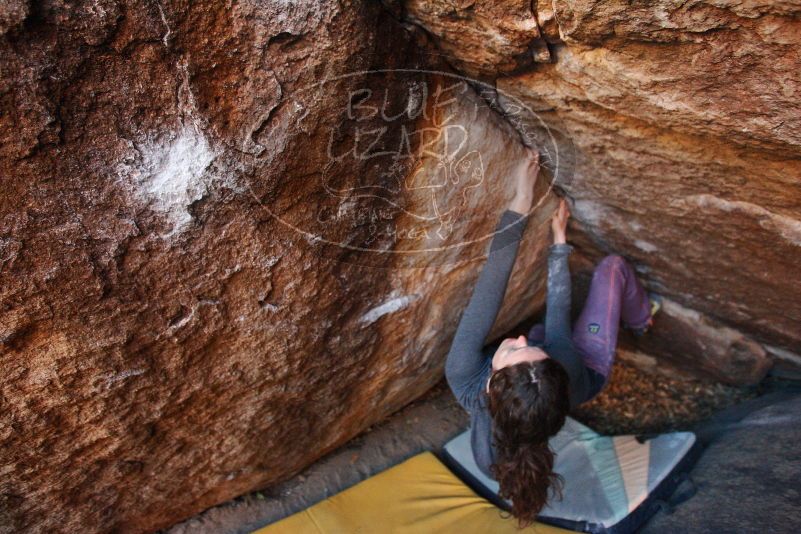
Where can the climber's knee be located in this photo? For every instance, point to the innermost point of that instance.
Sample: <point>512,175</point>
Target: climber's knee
<point>612,262</point>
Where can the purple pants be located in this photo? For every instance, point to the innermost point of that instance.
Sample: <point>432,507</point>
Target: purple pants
<point>615,295</point>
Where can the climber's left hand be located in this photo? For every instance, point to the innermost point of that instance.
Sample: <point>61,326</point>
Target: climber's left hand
<point>559,222</point>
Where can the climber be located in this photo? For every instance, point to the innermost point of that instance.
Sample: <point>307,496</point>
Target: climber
<point>519,391</point>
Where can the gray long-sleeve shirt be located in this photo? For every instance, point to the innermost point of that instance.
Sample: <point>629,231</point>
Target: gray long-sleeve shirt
<point>468,365</point>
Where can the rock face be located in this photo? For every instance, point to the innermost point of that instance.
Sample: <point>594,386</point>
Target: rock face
<point>226,247</point>
<point>232,236</point>
<point>685,126</point>
<point>721,352</point>
<point>751,459</point>
<point>482,39</point>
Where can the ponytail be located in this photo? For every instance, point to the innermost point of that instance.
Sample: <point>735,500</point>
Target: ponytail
<point>525,479</point>
<point>528,403</point>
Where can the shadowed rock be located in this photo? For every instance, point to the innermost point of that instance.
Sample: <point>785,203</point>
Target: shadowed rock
<point>226,246</point>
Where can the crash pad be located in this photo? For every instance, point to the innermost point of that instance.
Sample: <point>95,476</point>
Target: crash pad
<point>611,483</point>
<point>419,495</point>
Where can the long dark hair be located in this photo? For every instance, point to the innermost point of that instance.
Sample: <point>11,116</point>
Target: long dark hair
<point>528,403</point>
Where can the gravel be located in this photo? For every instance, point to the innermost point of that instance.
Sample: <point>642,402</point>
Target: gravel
<point>635,402</point>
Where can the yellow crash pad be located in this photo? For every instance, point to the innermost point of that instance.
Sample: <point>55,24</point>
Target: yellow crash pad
<point>418,496</point>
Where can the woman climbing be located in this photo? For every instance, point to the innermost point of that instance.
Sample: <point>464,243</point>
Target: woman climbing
<point>519,392</point>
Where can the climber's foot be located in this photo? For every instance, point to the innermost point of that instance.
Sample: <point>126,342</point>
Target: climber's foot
<point>656,304</point>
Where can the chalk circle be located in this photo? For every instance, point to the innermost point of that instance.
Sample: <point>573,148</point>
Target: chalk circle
<point>552,141</point>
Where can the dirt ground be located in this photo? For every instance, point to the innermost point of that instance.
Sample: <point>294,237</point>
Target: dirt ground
<point>426,424</point>
<point>635,402</point>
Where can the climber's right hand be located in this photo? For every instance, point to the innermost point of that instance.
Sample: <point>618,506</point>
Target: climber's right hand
<point>525,175</point>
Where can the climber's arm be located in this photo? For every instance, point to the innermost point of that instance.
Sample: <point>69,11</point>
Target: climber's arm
<point>557,306</point>
<point>558,333</point>
<point>466,365</point>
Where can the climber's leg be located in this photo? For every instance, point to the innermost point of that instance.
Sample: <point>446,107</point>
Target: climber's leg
<point>615,294</point>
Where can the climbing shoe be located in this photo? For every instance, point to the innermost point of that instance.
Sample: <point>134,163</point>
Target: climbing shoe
<point>656,304</point>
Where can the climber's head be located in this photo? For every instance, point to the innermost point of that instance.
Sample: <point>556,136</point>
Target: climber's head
<point>512,351</point>
<point>528,402</point>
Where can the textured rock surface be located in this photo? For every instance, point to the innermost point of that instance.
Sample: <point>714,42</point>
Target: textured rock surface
<point>716,350</point>
<point>482,38</point>
<point>203,218</point>
<point>686,130</point>
<point>754,460</point>
<point>167,340</point>
<point>425,425</point>
<point>12,12</point>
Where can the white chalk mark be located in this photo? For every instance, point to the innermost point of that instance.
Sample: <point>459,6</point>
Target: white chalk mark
<point>783,354</point>
<point>270,307</point>
<point>788,228</point>
<point>166,37</point>
<point>390,306</point>
<point>168,170</point>
<point>589,211</point>
<point>172,175</point>
<point>645,245</point>
<point>183,320</point>
<point>187,104</point>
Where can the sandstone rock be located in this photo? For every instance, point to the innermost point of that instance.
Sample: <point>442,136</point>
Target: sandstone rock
<point>12,13</point>
<point>684,122</point>
<point>482,38</point>
<point>681,335</point>
<point>686,134</point>
<point>754,459</point>
<point>215,268</point>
